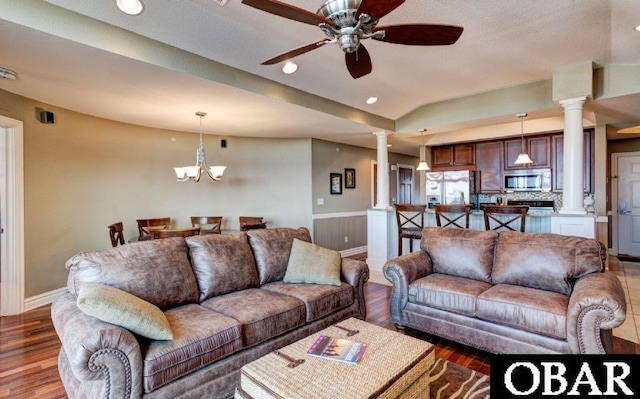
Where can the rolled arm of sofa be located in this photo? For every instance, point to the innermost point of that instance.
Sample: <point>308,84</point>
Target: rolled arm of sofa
<point>356,274</point>
<point>597,303</point>
<point>97,350</point>
<point>401,272</point>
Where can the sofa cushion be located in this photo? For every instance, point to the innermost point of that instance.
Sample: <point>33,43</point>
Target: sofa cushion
<point>460,252</point>
<point>201,336</point>
<point>545,261</point>
<point>451,293</point>
<point>263,314</point>
<point>222,263</point>
<point>271,249</point>
<point>125,310</point>
<point>319,300</point>
<point>537,311</point>
<point>157,271</point>
<point>310,263</point>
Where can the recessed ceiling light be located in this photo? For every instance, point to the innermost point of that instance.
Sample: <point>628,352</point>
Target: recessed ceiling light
<point>289,68</point>
<point>372,100</point>
<point>7,74</point>
<point>637,28</point>
<point>131,7</point>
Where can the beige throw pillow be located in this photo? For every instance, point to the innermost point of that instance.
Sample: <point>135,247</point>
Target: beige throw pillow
<point>125,310</point>
<point>309,263</point>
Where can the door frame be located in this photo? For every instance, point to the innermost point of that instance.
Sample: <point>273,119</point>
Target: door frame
<point>413,180</point>
<point>12,212</point>
<point>614,197</point>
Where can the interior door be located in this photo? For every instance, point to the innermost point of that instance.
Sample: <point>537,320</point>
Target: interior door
<point>405,185</point>
<point>628,206</point>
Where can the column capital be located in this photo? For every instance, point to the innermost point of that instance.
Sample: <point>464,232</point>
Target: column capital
<point>573,103</point>
<point>380,133</point>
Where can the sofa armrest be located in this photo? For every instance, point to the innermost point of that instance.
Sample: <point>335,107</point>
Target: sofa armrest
<point>401,272</point>
<point>97,350</point>
<point>356,273</point>
<point>597,303</point>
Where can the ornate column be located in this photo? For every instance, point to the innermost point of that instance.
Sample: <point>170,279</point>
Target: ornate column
<point>573,172</point>
<point>382,199</point>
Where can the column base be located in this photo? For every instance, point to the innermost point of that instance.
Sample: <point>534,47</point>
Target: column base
<point>572,211</point>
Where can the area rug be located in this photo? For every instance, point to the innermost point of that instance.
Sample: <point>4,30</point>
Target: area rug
<point>452,381</point>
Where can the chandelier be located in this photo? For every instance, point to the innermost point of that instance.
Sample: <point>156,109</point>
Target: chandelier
<point>195,172</point>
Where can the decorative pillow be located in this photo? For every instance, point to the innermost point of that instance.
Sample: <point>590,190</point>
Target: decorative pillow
<point>309,263</point>
<point>125,310</point>
<point>271,249</point>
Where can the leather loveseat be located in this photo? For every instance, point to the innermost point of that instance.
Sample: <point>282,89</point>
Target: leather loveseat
<point>224,299</point>
<point>508,292</point>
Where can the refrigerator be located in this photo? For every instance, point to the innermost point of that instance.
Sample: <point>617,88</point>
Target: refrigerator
<point>449,187</point>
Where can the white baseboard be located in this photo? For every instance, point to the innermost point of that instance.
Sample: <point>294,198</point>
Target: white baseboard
<point>43,299</point>
<point>353,251</point>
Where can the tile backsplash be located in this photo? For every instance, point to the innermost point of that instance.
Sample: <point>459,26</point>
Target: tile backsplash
<point>556,197</point>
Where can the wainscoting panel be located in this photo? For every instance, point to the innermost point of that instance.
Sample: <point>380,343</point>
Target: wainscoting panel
<point>330,231</point>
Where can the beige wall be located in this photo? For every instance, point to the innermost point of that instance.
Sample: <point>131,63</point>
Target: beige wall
<point>83,173</point>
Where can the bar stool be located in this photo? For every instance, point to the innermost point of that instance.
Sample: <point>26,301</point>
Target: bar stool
<point>452,215</point>
<point>410,219</point>
<point>513,214</point>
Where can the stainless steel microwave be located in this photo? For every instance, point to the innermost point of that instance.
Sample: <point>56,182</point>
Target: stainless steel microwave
<point>527,180</point>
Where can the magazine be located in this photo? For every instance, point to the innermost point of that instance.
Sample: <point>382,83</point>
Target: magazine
<point>342,350</point>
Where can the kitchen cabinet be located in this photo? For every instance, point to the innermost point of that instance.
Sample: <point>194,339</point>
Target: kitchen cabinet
<point>538,148</point>
<point>489,166</point>
<point>447,156</point>
<point>557,146</point>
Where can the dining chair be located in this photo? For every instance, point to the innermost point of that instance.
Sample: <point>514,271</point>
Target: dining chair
<point>252,222</point>
<point>410,219</point>
<point>207,224</point>
<point>451,215</point>
<point>511,215</point>
<point>166,233</point>
<point>116,233</point>
<point>146,226</point>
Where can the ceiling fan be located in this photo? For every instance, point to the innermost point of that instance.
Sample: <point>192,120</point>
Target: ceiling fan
<point>348,22</point>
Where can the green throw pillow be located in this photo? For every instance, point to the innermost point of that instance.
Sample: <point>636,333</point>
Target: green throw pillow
<point>309,263</point>
<point>125,310</point>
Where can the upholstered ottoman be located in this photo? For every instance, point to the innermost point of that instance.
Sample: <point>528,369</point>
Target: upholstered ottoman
<point>393,366</point>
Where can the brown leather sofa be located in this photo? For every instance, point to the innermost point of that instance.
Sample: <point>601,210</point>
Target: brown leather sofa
<point>508,292</point>
<point>224,298</point>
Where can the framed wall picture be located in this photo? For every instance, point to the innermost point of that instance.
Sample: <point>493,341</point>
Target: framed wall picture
<point>349,178</point>
<point>336,183</point>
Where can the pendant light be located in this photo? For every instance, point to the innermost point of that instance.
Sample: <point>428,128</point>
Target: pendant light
<point>193,173</point>
<point>523,157</point>
<point>423,164</point>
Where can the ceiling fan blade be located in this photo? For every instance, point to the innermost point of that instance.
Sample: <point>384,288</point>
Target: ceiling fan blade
<point>288,11</point>
<point>295,52</point>
<point>420,34</point>
<point>377,9</point>
<point>358,62</point>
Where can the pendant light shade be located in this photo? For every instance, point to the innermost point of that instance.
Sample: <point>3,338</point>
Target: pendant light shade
<point>423,164</point>
<point>523,157</point>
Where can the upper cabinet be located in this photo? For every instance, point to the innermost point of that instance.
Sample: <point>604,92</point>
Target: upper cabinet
<point>557,146</point>
<point>538,148</point>
<point>489,166</point>
<point>452,156</point>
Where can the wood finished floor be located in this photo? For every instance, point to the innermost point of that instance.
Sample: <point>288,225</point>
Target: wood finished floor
<point>29,348</point>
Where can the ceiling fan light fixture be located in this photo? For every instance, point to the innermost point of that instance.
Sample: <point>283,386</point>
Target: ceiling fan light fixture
<point>372,100</point>
<point>130,7</point>
<point>289,67</point>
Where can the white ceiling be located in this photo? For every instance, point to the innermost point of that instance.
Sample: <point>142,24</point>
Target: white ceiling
<point>505,43</point>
